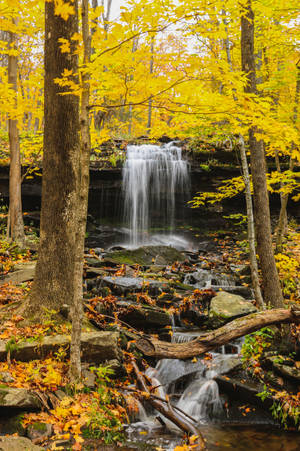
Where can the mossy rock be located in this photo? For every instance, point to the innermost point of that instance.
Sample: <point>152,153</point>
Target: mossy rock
<point>227,306</point>
<point>38,430</point>
<point>146,255</point>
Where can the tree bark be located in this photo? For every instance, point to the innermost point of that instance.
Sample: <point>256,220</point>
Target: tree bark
<point>248,196</point>
<point>271,283</point>
<point>149,120</point>
<point>15,223</point>
<point>251,228</point>
<point>84,165</point>
<point>56,280</point>
<point>285,197</point>
<point>211,340</point>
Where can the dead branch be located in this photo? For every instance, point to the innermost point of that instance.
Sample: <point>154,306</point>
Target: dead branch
<point>169,413</point>
<point>211,340</point>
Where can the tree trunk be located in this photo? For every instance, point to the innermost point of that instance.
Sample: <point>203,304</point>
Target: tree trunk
<point>271,283</point>
<point>15,222</point>
<point>248,196</point>
<point>149,120</point>
<point>251,228</point>
<point>211,340</point>
<point>285,197</point>
<point>76,308</point>
<point>57,279</point>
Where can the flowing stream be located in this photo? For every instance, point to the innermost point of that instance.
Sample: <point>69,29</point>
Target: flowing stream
<point>152,177</point>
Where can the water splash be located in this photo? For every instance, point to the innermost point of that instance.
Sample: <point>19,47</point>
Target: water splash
<point>151,177</point>
<point>203,278</point>
<point>201,399</point>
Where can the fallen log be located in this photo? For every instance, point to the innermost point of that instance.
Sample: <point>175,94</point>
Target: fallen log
<point>168,412</point>
<point>146,396</point>
<point>213,339</point>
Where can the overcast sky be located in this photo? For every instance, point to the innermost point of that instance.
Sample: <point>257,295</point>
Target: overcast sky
<point>115,7</point>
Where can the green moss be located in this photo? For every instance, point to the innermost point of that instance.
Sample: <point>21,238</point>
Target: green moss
<point>41,427</point>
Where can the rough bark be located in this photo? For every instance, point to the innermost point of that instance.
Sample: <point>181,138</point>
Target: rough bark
<point>248,196</point>
<point>271,283</point>
<point>57,278</point>
<point>76,307</point>
<point>285,197</point>
<point>211,340</point>
<point>15,222</point>
<point>251,227</point>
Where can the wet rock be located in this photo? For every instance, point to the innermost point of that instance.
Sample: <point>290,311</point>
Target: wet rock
<point>91,272</point>
<point>146,255</point>
<point>206,246</point>
<point>95,346</point>
<point>17,444</point>
<point>245,292</point>
<point>18,398</point>
<point>204,278</point>
<point>143,316</point>
<point>39,430</point>
<point>223,364</point>
<point>93,261</point>
<point>124,285</point>
<point>286,369</point>
<point>226,306</point>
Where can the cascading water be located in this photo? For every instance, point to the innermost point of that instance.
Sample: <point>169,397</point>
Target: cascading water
<point>152,175</point>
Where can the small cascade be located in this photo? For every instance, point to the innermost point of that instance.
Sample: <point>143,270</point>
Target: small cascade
<point>184,336</point>
<point>151,177</point>
<point>203,278</point>
<point>201,400</point>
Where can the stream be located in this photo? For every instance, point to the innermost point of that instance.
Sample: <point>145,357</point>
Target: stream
<point>153,178</point>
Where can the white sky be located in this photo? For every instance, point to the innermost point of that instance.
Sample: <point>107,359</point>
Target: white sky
<point>115,7</point>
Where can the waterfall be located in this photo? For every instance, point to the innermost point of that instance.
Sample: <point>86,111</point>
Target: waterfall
<point>152,175</point>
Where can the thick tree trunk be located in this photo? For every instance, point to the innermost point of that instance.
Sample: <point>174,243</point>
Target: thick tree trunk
<point>211,340</point>
<point>76,308</point>
<point>57,279</point>
<point>285,197</point>
<point>248,196</point>
<point>15,222</point>
<point>271,283</point>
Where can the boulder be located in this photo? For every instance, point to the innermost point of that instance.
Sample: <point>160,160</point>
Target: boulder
<point>226,306</point>
<point>18,398</point>
<point>96,347</point>
<point>23,273</point>
<point>143,316</point>
<point>39,430</point>
<point>146,255</point>
<point>18,444</point>
<point>284,368</point>
<point>123,285</point>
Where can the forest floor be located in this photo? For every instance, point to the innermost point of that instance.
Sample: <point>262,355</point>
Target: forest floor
<point>73,417</point>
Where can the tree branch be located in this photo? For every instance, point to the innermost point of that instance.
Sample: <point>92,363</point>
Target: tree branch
<point>211,340</point>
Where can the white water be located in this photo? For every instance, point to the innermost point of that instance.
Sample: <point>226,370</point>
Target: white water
<point>200,396</point>
<point>152,176</point>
